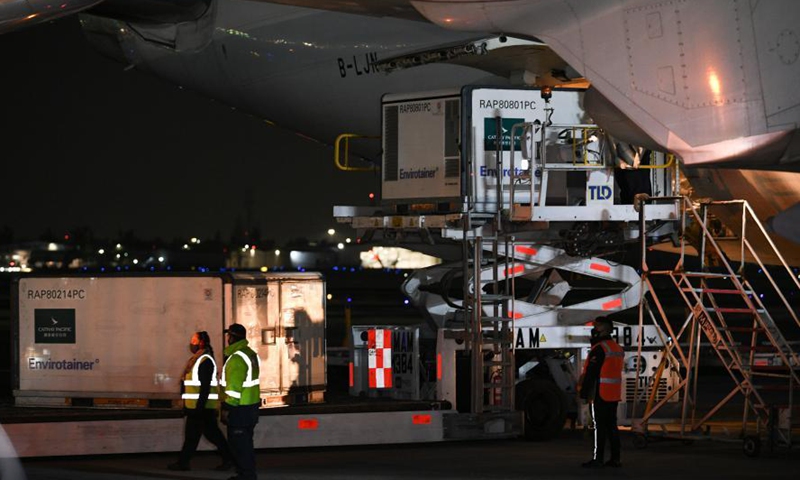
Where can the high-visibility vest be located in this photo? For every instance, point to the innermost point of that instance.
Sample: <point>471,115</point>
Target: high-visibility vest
<point>250,393</point>
<point>191,385</point>
<point>611,371</point>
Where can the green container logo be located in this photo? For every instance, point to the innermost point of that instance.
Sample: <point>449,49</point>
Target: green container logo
<point>490,133</point>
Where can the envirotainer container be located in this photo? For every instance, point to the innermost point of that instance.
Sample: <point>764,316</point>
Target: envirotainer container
<point>434,141</point>
<point>123,340</point>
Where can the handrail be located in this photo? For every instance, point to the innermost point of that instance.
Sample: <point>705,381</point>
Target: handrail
<point>512,174</point>
<point>670,162</point>
<point>747,211</point>
<point>345,167</point>
<point>585,140</point>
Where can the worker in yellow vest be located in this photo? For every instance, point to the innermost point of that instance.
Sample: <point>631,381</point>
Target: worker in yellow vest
<point>601,387</point>
<point>200,394</point>
<point>242,400</point>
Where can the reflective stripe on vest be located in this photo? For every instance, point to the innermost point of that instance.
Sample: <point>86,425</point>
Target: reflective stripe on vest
<point>250,380</point>
<point>611,371</point>
<point>191,385</point>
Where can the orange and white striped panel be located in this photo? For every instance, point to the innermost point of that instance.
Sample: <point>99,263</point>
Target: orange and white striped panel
<point>379,344</point>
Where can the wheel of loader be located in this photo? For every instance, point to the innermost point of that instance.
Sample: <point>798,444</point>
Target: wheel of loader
<point>640,441</point>
<point>751,446</point>
<point>544,406</point>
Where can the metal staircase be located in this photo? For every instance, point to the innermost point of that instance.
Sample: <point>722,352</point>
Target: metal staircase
<point>728,314</point>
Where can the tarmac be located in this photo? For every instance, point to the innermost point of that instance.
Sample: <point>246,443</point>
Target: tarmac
<point>490,459</point>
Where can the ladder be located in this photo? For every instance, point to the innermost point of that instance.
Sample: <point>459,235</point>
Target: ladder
<point>728,314</point>
<point>489,338</point>
<point>491,335</point>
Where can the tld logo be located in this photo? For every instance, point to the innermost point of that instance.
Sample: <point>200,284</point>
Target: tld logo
<point>599,192</point>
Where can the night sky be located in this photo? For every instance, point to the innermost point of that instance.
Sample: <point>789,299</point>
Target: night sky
<point>86,143</point>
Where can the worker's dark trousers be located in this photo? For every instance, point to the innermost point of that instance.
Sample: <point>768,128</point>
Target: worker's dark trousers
<point>203,422</point>
<point>240,439</point>
<point>605,428</point>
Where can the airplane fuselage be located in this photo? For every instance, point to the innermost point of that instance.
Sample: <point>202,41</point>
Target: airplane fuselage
<point>306,70</point>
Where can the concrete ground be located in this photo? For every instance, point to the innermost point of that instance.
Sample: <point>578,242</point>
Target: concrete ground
<point>503,459</point>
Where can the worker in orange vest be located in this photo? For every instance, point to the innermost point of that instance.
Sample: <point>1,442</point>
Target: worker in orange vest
<point>601,387</point>
<point>200,394</point>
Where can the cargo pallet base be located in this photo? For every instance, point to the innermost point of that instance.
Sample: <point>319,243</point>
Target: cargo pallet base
<point>152,435</point>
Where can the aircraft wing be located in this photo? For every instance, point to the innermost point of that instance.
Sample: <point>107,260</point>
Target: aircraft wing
<point>15,14</point>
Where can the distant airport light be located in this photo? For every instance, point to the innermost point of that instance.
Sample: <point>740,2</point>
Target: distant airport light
<point>101,251</point>
<point>161,259</point>
<point>340,246</point>
<point>371,196</point>
<point>186,246</point>
<point>277,252</point>
<point>329,296</point>
<point>264,269</point>
<point>331,231</point>
<point>135,261</point>
<point>118,256</point>
<point>246,246</point>
<point>119,246</point>
<point>348,240</point>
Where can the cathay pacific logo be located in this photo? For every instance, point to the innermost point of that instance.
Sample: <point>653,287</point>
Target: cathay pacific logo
<point>54,325</point>
<point>490,133</point>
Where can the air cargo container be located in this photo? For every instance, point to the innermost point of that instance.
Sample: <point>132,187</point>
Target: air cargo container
<point>123,340</point>
<point>433,140</point>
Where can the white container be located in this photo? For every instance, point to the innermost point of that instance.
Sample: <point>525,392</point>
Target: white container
<point>123,340</point>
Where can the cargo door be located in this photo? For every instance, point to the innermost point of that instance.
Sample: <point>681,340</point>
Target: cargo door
<point>303,323</point>
<point>256,307</point>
